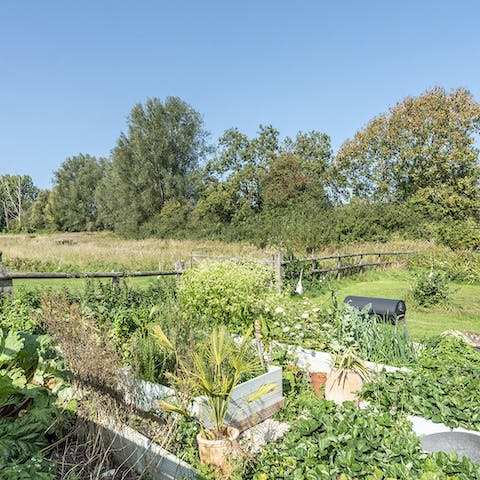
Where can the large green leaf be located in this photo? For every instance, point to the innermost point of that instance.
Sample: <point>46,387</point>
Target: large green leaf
<point>10,345</point>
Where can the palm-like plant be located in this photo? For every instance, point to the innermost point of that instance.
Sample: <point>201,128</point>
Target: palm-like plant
<point>346,360</point>
<point>218,366</point>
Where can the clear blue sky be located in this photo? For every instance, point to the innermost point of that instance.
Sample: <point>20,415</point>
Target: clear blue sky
<point>70,71</point>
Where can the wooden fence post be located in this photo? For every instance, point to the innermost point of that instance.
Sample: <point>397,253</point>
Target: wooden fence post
<point>277,265</point>
<point>361,263</point>
<point>339,267</point>
<point>314,267</point>
<point>180,267</point>
<point>6,283</point>
<point>115,281</point>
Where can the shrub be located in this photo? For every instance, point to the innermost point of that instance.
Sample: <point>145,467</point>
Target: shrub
<point>459,235</point>
<point>225,293</point>
<point>430,290</point>
<point>16,310</point>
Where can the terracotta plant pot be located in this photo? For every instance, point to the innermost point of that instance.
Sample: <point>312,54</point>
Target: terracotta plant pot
<point>341,388</point>
<point>216,452</point>
<point>318,381</point>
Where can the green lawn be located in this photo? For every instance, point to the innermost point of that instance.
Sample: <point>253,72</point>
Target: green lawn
<point>463,314</point>
<point>74,283</point>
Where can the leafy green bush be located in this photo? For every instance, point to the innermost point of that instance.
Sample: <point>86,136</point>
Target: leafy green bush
<point>16,310</point>
<point>431,290</point>
<point>225,293</point>
<point>27,409</point>
<point>459,235</point>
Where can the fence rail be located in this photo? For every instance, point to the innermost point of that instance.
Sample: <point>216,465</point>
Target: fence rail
<point>53,275</point>
<point>339,268</point>
<point>277,263</point>
<point>347,255</point>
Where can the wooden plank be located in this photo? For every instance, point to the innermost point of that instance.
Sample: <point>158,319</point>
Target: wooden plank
<point>259,416</point>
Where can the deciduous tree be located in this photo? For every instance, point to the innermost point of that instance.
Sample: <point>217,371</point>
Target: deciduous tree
<point>73,203</point>
<point>152,163</point>
<point>423,142</point>
<point>17,192</point>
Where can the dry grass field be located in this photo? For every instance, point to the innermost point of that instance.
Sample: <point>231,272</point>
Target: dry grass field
<point>105,251</point>
<point>100,251</point>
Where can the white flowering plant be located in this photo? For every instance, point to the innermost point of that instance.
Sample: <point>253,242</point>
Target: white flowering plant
<point>303,322</point>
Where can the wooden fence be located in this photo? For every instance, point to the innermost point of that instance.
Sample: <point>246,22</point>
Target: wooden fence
<point>277,262</point>
<point>7,277</point>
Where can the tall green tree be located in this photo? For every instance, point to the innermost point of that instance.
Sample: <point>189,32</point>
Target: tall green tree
<point>422,143</point>
<point>40,216</point>
<point>263,169</point>
<point>17,192</point>
<point>73,203</point>
<point>240,162</point>
<point>152,164</point>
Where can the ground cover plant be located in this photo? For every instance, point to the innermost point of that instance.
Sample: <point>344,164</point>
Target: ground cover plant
<point>442,386</point>
<point>344,442</point>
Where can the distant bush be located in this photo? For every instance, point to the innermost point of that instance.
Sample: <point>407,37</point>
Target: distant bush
<point>430,290</point>
<point>225,293</point>
<point>458,266</point>
<point>460,235</point>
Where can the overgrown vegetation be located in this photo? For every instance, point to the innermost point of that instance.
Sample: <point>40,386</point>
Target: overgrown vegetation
<point>430,290</point>
<point>226,293</point>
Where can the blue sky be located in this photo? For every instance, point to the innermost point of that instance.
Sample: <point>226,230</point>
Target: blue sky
<point>71,71</point>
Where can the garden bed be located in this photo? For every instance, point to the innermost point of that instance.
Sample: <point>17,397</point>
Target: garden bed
<point>241,414</point>
<point>132,448</point>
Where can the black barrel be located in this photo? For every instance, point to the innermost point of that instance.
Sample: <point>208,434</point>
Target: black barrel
<point>385,308</point>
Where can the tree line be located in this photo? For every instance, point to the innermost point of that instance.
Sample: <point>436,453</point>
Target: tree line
<point>411,172</point>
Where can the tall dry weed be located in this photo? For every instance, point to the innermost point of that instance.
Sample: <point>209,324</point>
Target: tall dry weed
<point>84,345</point>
